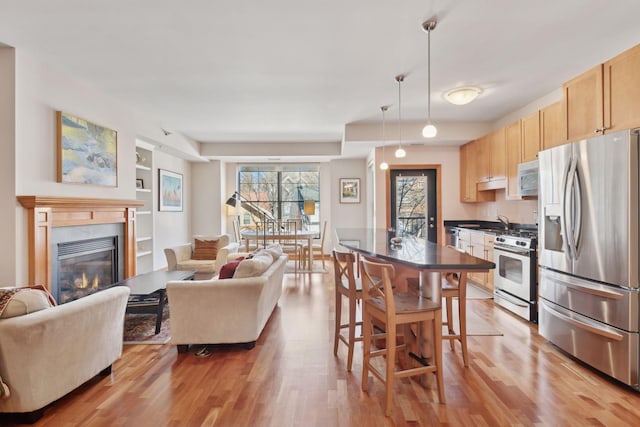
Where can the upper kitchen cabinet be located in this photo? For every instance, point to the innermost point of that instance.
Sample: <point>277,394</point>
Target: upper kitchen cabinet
<point>622,91</point>
<point>492,161</point>
<point>551,126</point>
<point>469,175</point>
<point>530,137</point>
<point>582,104</point>
<point>513,140</point>
<point>605,98</point>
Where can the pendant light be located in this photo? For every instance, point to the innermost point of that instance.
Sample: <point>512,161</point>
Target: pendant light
<point>384,165</point>
<point>400,153</point>
<point>429,131</point>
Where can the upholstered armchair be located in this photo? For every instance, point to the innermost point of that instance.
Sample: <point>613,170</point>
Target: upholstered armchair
<point>205,255</point>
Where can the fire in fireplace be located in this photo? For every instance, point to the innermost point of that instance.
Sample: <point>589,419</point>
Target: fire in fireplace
<point>84,267</point>
<point>85,259</point>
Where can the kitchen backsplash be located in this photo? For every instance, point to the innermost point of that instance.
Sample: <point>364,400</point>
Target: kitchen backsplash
<point>520,211</point>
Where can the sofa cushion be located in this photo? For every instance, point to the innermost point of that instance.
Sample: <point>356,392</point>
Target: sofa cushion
<point>275,250</point>
<point>205,249</point>
<point>253,267</point>
<point>18,301</point>
<point>199,266</point>
<point>227,271</point>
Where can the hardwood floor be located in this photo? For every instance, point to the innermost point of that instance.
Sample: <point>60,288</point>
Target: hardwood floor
<point>291,378</point>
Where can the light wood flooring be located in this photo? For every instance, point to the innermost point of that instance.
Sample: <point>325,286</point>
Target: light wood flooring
<point>291,378</point>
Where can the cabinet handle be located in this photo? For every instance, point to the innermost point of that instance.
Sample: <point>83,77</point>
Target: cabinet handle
<point>601,130</point>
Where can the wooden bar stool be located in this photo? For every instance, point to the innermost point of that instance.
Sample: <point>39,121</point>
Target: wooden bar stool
<point>454,285</point>
<point>347,285</point>
<point>399,309</point>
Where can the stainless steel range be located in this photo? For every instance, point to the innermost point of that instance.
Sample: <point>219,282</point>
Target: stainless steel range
<point>515,279</point>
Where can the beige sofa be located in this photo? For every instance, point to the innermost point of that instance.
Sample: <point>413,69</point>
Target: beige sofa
<point>181,257</point>
<point>46,354</point>
<point>226,311</point>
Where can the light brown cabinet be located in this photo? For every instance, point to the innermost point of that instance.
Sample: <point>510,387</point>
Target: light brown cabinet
<point>530,137</point>
<point>605,98</point>
<point>514,156</point>
<point>551,126</point>
<point>469,175</point>
<point>622,91</point>
<point>492,161</point>
<point>582,103</point>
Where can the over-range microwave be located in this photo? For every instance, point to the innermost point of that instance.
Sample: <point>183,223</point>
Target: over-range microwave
<point>528,178</point>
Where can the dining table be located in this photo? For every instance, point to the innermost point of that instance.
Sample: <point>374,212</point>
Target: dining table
<point>412,257</point>
<point>277,236</point>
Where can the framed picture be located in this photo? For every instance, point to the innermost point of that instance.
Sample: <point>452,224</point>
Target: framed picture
<point>139,183</point>
<point>170,191</point>
<point>349,190</point>
<point>87,152</point>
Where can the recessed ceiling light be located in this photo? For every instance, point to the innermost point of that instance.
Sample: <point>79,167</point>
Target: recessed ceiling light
<point>462,95</point>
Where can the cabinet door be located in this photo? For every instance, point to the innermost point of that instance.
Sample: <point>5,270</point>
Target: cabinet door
<point>622,91</point>
<point>483,158</point>
<point>498,154</point>
<point>513,141</point>
<point>531,137</point>
<point>582,104</point>
<point>464,173</point>
<point>551,126</point>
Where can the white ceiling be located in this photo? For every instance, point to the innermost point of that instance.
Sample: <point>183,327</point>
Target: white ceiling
<point>231,71</point>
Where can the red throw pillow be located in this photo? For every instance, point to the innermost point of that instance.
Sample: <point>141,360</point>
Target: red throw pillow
<point>227,270</point>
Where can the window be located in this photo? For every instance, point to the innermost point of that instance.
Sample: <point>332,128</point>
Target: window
<point>280,192</point>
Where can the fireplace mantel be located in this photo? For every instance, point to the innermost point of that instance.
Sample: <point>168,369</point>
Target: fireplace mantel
<point>46,212</point>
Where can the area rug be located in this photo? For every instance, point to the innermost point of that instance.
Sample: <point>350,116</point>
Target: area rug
<point>140,328</point>
<point>476,326</point>
<point>474,292</point>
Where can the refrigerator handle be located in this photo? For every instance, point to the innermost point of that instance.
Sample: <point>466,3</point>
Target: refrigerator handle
<point>578,211</point>
<point>567,207</point>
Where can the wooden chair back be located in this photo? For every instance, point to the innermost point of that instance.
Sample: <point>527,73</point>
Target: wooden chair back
<point>377,286</point>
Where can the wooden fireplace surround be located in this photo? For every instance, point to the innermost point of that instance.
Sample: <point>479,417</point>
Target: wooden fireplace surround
<point>46,212</point>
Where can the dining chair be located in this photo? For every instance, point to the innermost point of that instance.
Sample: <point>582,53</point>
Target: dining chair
<point>316,248</point>
<point>236,229</point>
<point>288,230</point>
<point>398,310</point>
<point>346,285</point>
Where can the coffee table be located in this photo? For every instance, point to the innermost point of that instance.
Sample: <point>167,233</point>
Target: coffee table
<point>149,291</point>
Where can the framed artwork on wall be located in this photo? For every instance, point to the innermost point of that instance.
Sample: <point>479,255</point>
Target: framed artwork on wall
<point>349,190</point>
<point>87,152</point>
<point>170,191</point>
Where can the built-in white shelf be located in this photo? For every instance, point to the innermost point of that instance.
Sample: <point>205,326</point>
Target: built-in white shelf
<point>144,239</point>
<point>143,167</point>
<point>145,215</point>
<point>144,253</point>
<point>143,190</point>
<point>143,212</point>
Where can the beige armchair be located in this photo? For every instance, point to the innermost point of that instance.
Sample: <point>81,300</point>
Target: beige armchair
<point>184,257</point>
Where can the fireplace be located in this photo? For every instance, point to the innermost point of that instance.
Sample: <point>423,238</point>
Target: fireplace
<point>85,259</point>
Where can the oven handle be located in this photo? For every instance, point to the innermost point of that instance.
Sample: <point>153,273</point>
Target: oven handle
<point>522,252</point>
<point>589,328</point>
<point>503,294</point>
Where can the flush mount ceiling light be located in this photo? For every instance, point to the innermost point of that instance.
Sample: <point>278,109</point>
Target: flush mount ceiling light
<point>429,131</point>
<point>383,165</point>
<point>462,95</point>
<point>400,153</point>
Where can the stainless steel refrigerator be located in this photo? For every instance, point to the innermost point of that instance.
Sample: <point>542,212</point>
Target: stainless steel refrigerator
<point>588,252</point>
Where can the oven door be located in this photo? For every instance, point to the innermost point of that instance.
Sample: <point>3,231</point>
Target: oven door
<point>513,272</point>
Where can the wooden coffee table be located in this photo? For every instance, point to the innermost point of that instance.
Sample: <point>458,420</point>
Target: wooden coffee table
<point>149,291</point>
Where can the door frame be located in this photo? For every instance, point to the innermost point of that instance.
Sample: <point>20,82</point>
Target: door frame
<point>438,169</point>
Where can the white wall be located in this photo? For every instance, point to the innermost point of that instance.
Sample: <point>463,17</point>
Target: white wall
<point>8,210</point>
<point>208,198</point>
<point>40,91</point>
<point>345,215</point>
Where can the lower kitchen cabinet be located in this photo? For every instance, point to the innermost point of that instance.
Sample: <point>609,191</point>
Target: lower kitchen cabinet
<point>478,244</point>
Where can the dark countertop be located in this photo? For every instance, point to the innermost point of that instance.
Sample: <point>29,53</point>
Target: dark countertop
<point>413,252</point>
<point>487,226</point>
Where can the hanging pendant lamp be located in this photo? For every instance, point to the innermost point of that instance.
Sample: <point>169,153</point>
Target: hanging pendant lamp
<point>429,131</point>
<point>384,165</point>
<point>400,153</point>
